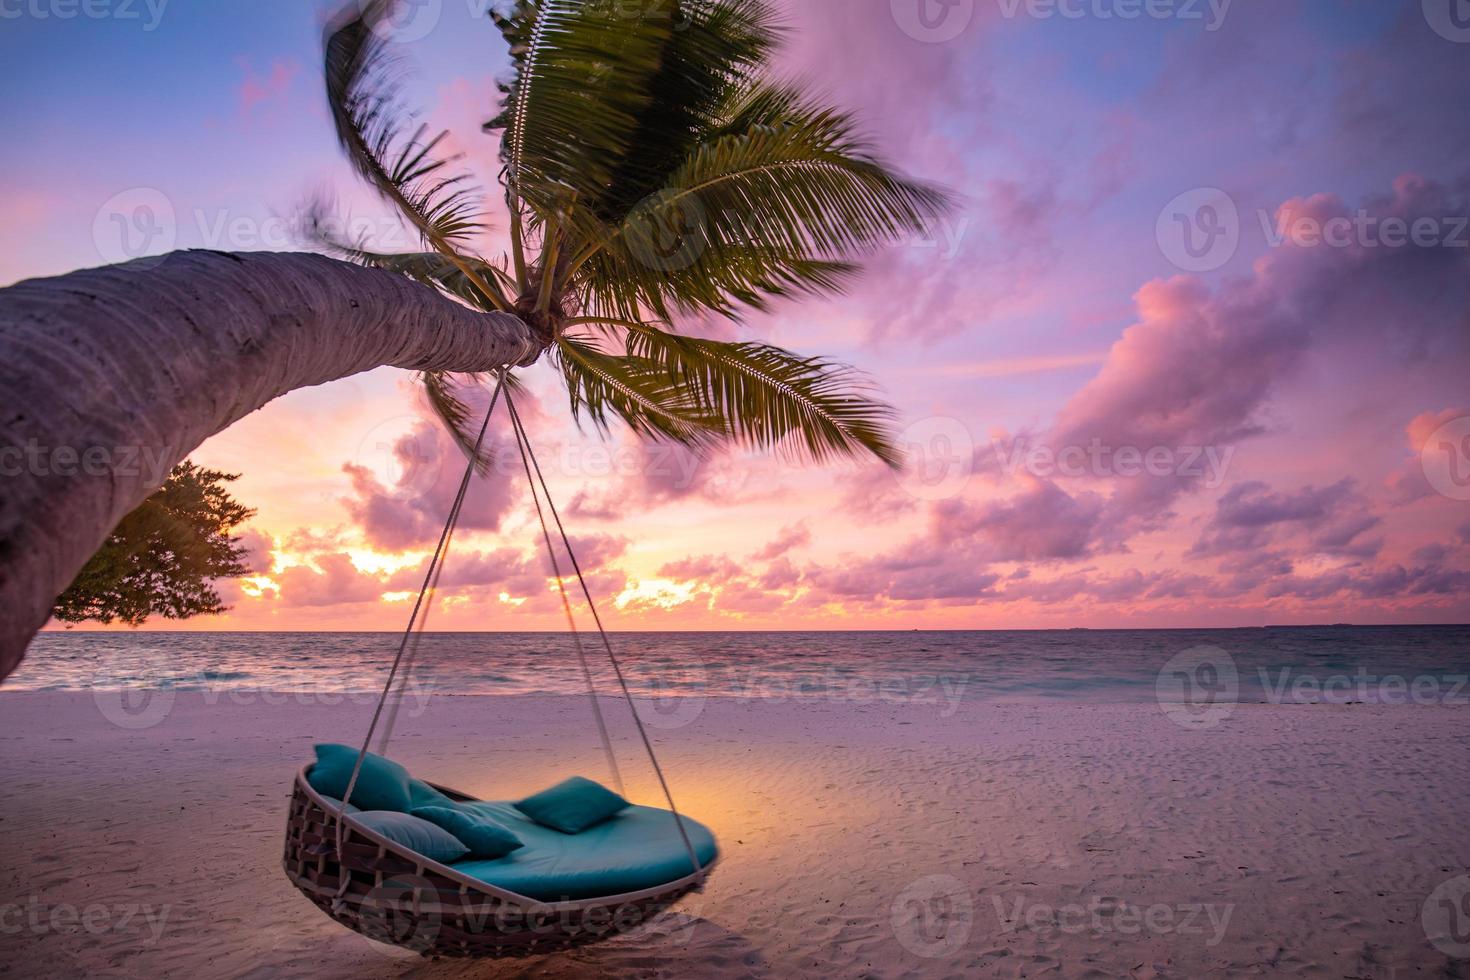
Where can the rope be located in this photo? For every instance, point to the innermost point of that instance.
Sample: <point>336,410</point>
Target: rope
<point>607,748</point>
<point>524,444</point>
<point>429,576</point>
<point>413,649</point>
<point>528,462</point>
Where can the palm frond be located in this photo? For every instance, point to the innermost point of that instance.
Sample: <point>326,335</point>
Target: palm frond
<point>780,206</point>
<point>440,389</point>
<point>714,45</point>
<point>770,398</point>
<point>635,389</point>
<point>444,273</point>
<point>380,139</point>
<point>580,83</point>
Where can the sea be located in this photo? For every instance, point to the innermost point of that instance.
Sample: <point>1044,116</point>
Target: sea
<point>1409,665</point>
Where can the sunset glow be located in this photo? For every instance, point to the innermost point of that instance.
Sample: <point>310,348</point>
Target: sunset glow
<point>1099,435</point>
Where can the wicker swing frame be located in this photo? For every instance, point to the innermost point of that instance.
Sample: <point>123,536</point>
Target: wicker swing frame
<point>396,896</point>
<point>392,894</point>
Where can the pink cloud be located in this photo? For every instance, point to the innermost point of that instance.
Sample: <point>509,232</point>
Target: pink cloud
<point>787,539</point>
<point>257,90</point>
<point>333,581</point>
<point>411,512</point>
<point>1042,523</point>
<point>1250,516</point>
<point>1408,482</point>
<point>259,548</point>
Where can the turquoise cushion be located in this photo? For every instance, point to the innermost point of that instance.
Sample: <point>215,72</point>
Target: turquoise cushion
<point>334,804</point>
<point>417,835</point>
<point>636,849</point>
<point>572,805</point>
<point>421,794</point>
<point>381,785</point>
<point>484,838</point>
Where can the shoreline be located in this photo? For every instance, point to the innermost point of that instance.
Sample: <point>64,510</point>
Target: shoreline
<point>885,840</point>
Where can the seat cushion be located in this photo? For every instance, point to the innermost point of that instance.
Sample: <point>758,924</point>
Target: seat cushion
<point>419,836</point>
<point>637,849</point>
<point>334,804</point>
<point>572,805</point>
<point>421,793</point>
<point>484,837</point>
<point>382,784</point>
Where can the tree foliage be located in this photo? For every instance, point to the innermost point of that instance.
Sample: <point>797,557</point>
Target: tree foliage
<point>164,555</point>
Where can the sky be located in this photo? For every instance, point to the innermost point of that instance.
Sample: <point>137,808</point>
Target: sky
<point>1191,351</point>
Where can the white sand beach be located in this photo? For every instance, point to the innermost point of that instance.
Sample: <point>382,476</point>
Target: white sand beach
<point>859,840</point>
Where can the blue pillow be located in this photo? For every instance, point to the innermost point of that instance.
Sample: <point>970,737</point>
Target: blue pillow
<point>422,794</point>
<point>572,805</point>
<point>381,785</point>
<point>417,835</point>
<point>485,838</point>
<point>334,804</point>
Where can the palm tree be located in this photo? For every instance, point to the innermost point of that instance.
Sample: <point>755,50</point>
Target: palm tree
<point>109,377</point>
<point>651,168</point>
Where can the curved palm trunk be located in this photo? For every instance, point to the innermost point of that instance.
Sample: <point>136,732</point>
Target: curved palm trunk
<point>110,376</point>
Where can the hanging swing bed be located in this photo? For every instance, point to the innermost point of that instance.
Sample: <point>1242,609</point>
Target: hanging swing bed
<point>563,884</point>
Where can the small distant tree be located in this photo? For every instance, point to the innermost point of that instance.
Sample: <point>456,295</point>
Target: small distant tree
<point>163,555</point>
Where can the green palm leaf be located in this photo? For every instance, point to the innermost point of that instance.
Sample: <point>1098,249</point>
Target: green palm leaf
<point>572,108</point>
<point>635,389</point>
<point>780,206</point>
<point>445,273</point>
<point>766,397</point>
<point>444,399</point>
<point>373,128</point>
